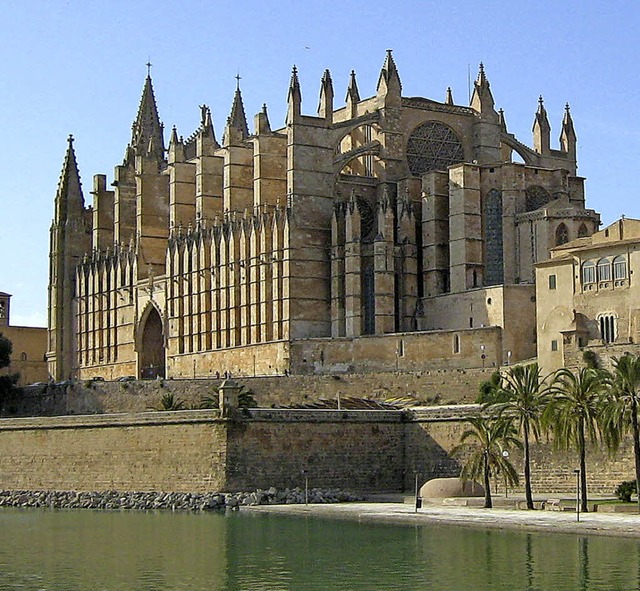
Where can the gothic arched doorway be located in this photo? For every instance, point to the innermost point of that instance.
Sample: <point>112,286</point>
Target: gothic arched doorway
<point>151,346</point>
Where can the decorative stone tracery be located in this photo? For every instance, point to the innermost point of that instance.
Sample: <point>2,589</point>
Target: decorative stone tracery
<point>433,146</point>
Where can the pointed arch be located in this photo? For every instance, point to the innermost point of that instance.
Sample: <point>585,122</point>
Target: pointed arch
<point>583,232</point>
<point>150,343</point>
<point>535,197</point>
<point>562,234</point>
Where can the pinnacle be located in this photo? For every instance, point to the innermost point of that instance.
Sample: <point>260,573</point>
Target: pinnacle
<point>237,117</point>
<point>69,194</point>
<point>352,89</point>
<point>449,98</point>
<point>147,124</point>
<point>389,70</point>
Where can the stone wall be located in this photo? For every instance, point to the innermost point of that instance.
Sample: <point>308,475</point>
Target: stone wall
<point>358,450</point>
<point>197,451</point>
<point>86,397</point>
<point>182,452</point>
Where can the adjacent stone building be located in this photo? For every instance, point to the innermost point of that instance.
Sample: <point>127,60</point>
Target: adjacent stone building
<point>587,296</point>
<point>29,346</point>
<point>384,233</point>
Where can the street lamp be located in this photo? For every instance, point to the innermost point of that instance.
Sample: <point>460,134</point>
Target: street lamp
<point>505,455</point>
<point>508,357</point>
<point>482,355</point>
<point>577,473</point>
<point>418,499</point>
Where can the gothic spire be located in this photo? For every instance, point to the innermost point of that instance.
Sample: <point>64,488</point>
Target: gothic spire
<point>541,129</point>
<point>294,98</point>
<point>206,126</point>
<point>389,75</point>
<point>568,134</point>
<point>325,107</point>
<point>541,115</point>
<point>502,120</point>
<point>449,99</point>
<point>352,90</point>
<point>482,99</point>
<point>147,125</point>
<point>69,198</point>
<point>237,118</point>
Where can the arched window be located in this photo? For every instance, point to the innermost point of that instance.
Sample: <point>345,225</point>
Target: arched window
<point>583,232</point>
<point>433,146</point>
<point>456,343</point>
<point>604,270</point>
<point>493,246</point>
<point>607,324</point>
<point>619,267</point>
<point>562,235</point>
<point>535,197</point>
<point>588,272</point>
<point>23,356</point>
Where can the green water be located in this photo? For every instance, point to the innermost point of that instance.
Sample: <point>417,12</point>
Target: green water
<point>85,550</point>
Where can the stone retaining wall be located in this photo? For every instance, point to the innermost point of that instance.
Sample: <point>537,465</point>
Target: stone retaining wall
<point>198,452</point>
<point>85,397</point>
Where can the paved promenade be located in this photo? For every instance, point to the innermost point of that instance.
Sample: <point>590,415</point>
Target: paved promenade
<point>608,524</point>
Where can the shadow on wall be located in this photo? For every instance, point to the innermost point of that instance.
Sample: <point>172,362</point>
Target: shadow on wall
<point>48,400</point>
<point>428,454</point>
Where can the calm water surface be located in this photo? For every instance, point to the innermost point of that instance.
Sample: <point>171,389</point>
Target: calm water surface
<point>84,550</point>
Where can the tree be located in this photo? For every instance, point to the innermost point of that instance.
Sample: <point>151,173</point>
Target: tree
<point>622,409</point>
<point>573,413</point>
<point>486,440</point>
<point>527,396</point>
<point>490,391</point>
<point>7,382</point>
<point>6,348</point>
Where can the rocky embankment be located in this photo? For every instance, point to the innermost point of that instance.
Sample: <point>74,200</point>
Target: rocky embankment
<point>145,501</point>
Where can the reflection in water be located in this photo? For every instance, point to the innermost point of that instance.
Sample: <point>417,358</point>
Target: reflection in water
<point>583,562</point>
<point>82,550</point>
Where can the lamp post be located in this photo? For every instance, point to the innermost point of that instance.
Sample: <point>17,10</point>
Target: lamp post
<point>505,455</point>
<point>508,357</point>
<point>483,356</point>
<point>577,473</point>
<point>418,499</point>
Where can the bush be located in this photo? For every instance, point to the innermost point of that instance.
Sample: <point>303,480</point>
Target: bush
<point>590,359</point>
<point>625,489</point>
<point>170,402</point>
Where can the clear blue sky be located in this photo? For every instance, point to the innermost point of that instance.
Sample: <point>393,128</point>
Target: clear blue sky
<point>79,66</point>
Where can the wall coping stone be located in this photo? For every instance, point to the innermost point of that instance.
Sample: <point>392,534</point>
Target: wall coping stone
<point>111,420</point>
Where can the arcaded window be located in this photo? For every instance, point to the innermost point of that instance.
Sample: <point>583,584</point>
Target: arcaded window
<point>433,146</point>
<point>607,328</point>
<point>604,270</point>
<point>562,235</point>
<point>620,267</point>
<point>588,272</point>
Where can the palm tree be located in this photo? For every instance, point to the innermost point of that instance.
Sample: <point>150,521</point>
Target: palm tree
<point>573,413</point>
<point>622,409</point>
<point>527,396</point>
<point>489,437</point>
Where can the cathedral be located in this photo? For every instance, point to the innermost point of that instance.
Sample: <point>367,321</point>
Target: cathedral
<point>385,233</point>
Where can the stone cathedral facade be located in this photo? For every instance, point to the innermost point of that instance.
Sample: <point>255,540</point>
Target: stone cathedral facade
<point>389,232</point>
